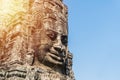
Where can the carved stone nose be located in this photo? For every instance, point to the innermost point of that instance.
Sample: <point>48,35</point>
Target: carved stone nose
<point>58,48</point>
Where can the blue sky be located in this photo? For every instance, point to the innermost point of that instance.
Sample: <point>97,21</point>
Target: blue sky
<point>94,38</point>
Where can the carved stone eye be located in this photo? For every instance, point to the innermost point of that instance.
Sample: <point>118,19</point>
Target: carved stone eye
<point>64,39</point>
<point>51,34</point>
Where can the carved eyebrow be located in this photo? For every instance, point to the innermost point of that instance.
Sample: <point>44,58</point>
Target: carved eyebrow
<point>49,30</point>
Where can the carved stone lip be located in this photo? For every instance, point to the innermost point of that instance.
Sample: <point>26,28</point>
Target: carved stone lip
<point>54,60</point>
<point>56,56</point>
<point>61,55</point>
<point>54,52</point>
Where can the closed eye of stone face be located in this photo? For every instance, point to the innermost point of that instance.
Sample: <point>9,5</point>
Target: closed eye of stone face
<point>51,34</point>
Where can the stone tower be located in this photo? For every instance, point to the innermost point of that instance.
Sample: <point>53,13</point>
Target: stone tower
<point>34,41</point>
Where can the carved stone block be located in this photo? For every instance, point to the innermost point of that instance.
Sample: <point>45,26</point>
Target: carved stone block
<point>34,41</point>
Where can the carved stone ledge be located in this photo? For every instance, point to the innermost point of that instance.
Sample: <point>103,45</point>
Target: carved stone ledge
<point>31,73</point>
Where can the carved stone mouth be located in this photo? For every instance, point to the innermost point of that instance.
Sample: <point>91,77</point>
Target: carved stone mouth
<point>57,54</point>
<point>54,59</point>
<point>57,58</point>
<point>54,52</point>
<point>60,60</point>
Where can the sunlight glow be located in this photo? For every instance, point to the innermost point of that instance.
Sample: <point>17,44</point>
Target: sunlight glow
<point>9,9</point>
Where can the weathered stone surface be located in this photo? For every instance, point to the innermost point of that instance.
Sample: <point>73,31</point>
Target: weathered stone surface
<point>34,42</point>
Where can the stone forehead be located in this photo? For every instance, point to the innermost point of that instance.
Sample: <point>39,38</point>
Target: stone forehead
<point>61,30</point>
<point>58,27</point>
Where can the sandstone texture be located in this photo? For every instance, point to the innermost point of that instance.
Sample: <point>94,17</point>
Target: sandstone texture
<point>34,41</point>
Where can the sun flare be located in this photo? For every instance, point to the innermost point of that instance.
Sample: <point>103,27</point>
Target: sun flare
<point>9,9</point>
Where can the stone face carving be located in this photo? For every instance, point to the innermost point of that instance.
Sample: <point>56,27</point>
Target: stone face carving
<point>34,43</point>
